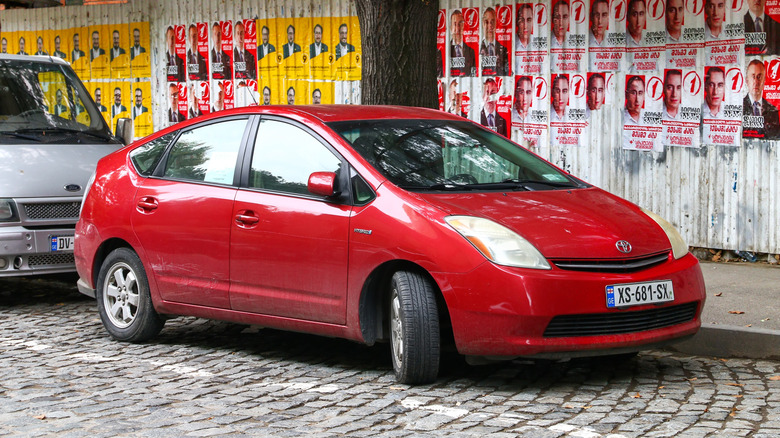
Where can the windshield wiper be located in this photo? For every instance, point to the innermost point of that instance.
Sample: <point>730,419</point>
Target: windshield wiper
<point>529,183</point>
<point>56,129</point>
<point>20,135</point>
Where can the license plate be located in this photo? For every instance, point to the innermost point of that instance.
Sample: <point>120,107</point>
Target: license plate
<point>62,243</point>
<point>633,294</point>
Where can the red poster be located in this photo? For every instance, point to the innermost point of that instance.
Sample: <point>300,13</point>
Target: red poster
<point>569,35</point>
<point>606,35</point>
<point>183,99</point>
<point>532,30</point>
<point>245,45</point>
<point>724,32</point>
<point>198,51</point>
<point>684,23</point>
<point>495,110</point>
<point>762,27</point>
<point>642,129</point>
<point>464,43</point>
<point>496,42</point>
<point>759,106</point>
<point>221,50</point>
<point>441,42</point>
<point>204,97</point>
<point>175,52</point>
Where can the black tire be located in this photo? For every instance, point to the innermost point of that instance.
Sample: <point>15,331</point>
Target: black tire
<point>123,299</point>
<point>415,341</point>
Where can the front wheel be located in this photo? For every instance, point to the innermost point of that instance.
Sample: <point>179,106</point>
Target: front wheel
<point>123,298</point>
<point>415,342</point>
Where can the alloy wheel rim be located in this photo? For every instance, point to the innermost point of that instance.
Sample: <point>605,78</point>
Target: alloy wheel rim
<point>396,330</point>
<point>121,295</point>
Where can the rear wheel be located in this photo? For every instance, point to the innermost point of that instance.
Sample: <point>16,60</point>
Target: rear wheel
<point>415,341</point>
<point>124,303</point>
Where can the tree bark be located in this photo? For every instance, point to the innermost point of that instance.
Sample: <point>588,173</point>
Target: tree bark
<point>399,52</point>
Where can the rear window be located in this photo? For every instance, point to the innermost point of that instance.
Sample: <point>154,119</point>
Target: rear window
<point>146,157</point>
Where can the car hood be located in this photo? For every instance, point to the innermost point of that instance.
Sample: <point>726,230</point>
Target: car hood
<point>43,170</point>
<point>564,224</point>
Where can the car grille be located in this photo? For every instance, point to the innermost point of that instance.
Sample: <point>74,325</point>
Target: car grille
<point>53,210</point>
<point>615,323</point>
<point>612,265</point>
<point>50,259</point>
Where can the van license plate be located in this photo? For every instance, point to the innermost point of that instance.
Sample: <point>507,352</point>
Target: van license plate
<point>632,294</point>
<point>62,243</point>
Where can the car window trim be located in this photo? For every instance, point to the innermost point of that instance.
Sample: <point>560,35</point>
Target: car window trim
<point>346,197</point>
<point>160,169</point>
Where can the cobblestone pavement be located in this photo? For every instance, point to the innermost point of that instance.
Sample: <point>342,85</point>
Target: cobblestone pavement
<point>60,374</point>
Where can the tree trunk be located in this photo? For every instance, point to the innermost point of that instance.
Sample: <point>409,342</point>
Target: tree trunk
<point>399,52</point>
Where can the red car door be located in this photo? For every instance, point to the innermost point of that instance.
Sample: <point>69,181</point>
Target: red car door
<point>288,252</point>
<point>183,219</point>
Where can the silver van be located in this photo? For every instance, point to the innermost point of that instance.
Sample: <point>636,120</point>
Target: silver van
<point>51,137</point>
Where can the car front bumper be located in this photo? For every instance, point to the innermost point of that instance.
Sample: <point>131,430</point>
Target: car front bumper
<point>498,311</point>
<point>24,251</point>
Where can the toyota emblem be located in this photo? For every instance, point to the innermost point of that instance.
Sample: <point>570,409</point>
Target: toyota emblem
<point>623,246</point>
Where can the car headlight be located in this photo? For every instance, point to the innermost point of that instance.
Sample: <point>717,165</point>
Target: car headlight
<point>7,210</point>
<point>498,243</point>
<point>679,247</point>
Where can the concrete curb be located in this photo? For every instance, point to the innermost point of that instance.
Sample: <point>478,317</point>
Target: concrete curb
<point>729,341</point>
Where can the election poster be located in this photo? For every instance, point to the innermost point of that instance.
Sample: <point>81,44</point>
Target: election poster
<point>98,57</point>
<point>201,100</point>
<point>140,112</point>
<point>291,56</point>
<point>642,112</point>
<point>244,49</point>
<point>223,96</point>
<point>722,107</point>
<point>458,96</point>
<point>97,90</point>
<point>267,42</point>
<point>532,31</point>
<point>176,100</point>
<point>762,27</point>
<point>759,106</point>
<point>495,106</point>
<point>530,108</point>
<point>569,36</point>
<point>684,23</point>
<point>464,41</point>
<point>321,56</point>
<point>60,43</point>
<point>221,53</point>
<point>724,32</point>
<point>682,109</point>
<point>645,35</point>
<point>567,109</point>
<point>121,102</point>
<point>320,93</point>
<point>118,56</point>
<point>606,35</point>
<point>140,64</point>
<point>347,52</point>
<point>441,42</point>
<point>495,47</point>
<point>198,51</point>
<point>599,92</point>
<point>175,53</point>
<point>245,92</point>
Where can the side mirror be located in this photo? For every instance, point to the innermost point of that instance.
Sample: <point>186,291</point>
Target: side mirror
<point>322,184</point>
<point>124,130</point>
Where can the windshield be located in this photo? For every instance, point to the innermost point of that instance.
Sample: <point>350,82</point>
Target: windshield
<point>448,155</point>
<point>44,98</point>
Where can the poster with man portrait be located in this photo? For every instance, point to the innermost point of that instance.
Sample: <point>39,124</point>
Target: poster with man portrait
<point>606,35</point>
<point>99,37</point>
<point>118,56</point>
<point>724,35</point>
<point>244,49</point>
<point>119,98</point>
<point>762,27</point>
<point>599,91</point>
<point>175,53</point>
<point>496,43</point>
<point>530,108</point>
<point>568,109</point>
<point>267,60</point>
<point>642,112</point>
<point>645,35</point>
<point>532,31</point>
<point>290,55</point>
<point>457,95</point>
<point>269,92</point>
<point>141,111</point>
<point>495,107</point>
<point>140,65</point>
<point>221,53</point>
<point>684,24</point>
<point>761,102</point>
<point>42,39</point>
<point>320,93</point>
<point>347,51</point>
<point>320,48</point>
<point>722,109</point>
<point>464,41</point>
<point>681,107</point>
<point>101,94</point>
<point>245,93</point>
<point>79,60</point>
<point>441,43</point>
<point>197,51</point>
<point>60,43</point>
<point>568,41</point>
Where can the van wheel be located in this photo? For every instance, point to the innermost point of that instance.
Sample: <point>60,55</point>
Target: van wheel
<point>123,299</point>
<point>415,342</point>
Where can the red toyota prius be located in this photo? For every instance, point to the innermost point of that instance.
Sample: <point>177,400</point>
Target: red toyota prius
<point>375,224</point>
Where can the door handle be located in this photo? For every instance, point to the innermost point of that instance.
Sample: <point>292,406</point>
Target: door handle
<point>147,204</point>
<point>247,218</point>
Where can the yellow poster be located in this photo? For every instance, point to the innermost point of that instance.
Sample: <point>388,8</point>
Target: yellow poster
<point>121,102</point>
<point>268,58</point>
<point>98,57</point>
<point>78,57</point>
<point>118,56</point>
<point>269,92</point>
<point>295,92</point>
<point>141,110</point>
<point>321,48</point>
<point>292,56</point>
<point>41,46</point>
<point>98,90</point>
<point>6,42</point>
<point>140,64</point>
<point>60,43</point>
<point>347,51</point>
<point>320,93</point>
<point>55,93</point>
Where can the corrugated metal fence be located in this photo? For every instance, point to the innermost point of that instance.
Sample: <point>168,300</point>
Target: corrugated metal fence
<point>719,197</point>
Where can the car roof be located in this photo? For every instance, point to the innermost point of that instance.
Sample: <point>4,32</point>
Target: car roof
<point>33,58</point>
<point>337,113</point>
